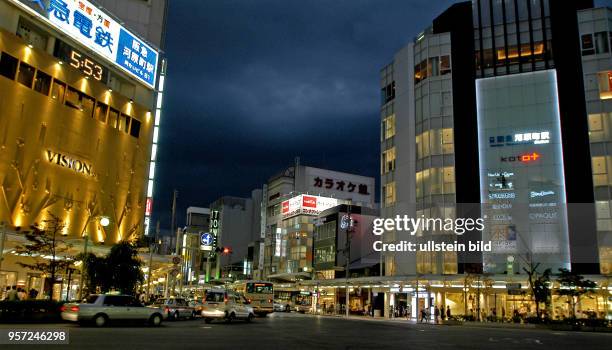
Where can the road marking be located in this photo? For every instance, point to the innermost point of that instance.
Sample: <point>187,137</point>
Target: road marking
<point>205,327</point>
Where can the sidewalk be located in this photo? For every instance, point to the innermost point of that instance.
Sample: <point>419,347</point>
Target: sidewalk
<point>458,323</point>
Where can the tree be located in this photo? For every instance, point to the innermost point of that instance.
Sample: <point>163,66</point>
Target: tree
<point>538,284</point>
<point>94,273</point>
<point>123,266</point>
<point>574,286</point>
<point>541,290</point>
<point>47,249</point>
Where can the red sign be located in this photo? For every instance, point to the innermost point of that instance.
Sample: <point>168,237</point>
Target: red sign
<point>285,207</point>
<point>149,207</point>
<point>526,158</point>
<point>309,202</point>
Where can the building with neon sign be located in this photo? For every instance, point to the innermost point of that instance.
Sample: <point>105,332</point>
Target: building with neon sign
<point>486,113</point>
<point>81,92</point>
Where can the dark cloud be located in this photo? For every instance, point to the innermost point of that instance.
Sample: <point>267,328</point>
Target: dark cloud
<point>253,84</point>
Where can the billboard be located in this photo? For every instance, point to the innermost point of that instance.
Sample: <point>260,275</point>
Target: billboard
<point>307,205</point>
<point>522,181</point>
<point>95,29</point>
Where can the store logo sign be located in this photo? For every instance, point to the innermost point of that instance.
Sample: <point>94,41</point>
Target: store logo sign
<point>523,158</point>
<point>526,138</point>
<point>69,162</point>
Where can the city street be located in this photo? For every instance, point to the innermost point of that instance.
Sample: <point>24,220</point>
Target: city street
<point>282,331</point>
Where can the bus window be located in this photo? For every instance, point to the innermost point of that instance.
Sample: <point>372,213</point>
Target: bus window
<point>259,288</point>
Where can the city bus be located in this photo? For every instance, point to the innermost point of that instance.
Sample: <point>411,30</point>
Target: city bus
<point>259,293</point>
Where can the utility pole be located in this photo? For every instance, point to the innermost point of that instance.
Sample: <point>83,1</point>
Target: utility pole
<point>173,222</point>
<point>151,246</point>
<point>2,239</point>
<point>347,253</point>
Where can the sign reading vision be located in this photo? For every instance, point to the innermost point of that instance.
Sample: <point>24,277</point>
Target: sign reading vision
<point>70,162</point>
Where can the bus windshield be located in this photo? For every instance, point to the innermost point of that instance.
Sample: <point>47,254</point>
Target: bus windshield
<point>259,288</point>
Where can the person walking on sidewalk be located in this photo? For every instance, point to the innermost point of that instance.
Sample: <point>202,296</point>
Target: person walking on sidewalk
<point>448,312</point>
<point>423,315</point>
<point>436,314</point>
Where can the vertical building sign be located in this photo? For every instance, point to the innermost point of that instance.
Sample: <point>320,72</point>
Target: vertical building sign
<point>521,169</point>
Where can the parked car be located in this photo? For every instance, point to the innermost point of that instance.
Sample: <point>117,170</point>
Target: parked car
<point>175,308</point>
<point>226,305</point>
<point>100,309</point>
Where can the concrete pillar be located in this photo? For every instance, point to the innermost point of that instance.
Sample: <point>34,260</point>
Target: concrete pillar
<point>386,312</point>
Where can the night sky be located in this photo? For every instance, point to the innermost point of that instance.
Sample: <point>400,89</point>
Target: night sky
<point>253,84</point>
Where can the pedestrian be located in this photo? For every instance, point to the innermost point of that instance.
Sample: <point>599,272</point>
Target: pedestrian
<point>33,294</point>
<point>436,314</point>
<point>12,294</point>
<point>503,314</point>
<point>21,294</point>
<point>423,315</point>
<point>448,312</point>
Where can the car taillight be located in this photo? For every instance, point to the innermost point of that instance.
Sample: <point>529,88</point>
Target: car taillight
<point>74,308</point>
<point>166,309</point>
<point>63,308</point>
<point>225,300</point>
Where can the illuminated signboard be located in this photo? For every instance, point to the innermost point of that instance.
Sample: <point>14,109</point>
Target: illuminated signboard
<point>523,138</point>
<point>149,207</point>
<point>95,29</point>
<point>521,170</point>
<point>307,205</point>
<point>69,162</point>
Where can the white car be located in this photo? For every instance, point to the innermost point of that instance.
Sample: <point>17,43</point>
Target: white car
<point>224,305</point>
<point>100,309</point>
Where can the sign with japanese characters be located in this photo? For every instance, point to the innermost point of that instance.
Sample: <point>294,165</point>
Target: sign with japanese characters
<point>98,31</point>
<point>307,205</point>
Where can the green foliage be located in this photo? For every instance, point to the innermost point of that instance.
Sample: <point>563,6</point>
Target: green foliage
<point>119,270</point>
<point>574,286</point>
<point>46,242</point>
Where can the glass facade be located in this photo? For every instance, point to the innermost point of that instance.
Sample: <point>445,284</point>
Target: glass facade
<point>511,36</point>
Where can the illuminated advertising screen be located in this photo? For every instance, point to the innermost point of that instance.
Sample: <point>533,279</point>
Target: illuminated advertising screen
<point>95,29</point>
<point>521,170</point>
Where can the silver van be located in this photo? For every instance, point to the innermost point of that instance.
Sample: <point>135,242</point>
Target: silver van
<point>220,304</point>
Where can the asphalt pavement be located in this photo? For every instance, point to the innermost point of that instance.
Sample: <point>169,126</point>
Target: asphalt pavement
<point>295,331</point>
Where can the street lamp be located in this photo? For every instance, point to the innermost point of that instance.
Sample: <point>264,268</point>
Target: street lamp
<point>104,221</point>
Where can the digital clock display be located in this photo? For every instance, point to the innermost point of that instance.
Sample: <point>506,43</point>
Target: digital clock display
<point>80,61</point>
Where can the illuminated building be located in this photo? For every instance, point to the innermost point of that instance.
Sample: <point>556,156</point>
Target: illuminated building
<point>595,36</point>
<point>80,91</point>
<point>484,115</point>
<point>277,225</point>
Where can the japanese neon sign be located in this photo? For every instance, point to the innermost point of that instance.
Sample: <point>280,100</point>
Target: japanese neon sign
<point>96,30</point>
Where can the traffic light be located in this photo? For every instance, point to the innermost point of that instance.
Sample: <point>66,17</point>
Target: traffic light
<point>223,250</point>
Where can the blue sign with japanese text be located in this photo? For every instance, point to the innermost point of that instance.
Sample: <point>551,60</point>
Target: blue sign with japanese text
<point>98,31</point>
<point>136,57</point>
